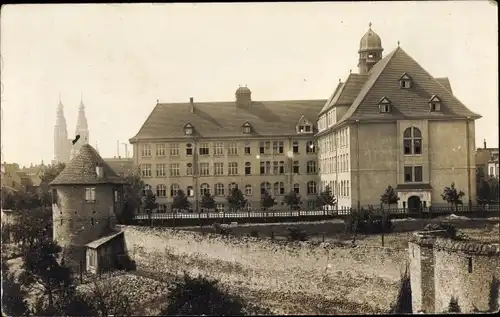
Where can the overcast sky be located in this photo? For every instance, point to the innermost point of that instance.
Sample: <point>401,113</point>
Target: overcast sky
<point>123,57</point>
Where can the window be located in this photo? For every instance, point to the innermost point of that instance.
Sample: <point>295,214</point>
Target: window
<point>190,191</point>
<point>92,221</point>
<point>188,129</point>
<point>246,128</point>
<point>347,192</point>
<point>276,168</point>
<point>492,171</point>
<point>265,187</point>
<point>219,149</point>
<point>189,149</point>
<point>278,147</point>
<point>310,148</point>
<point>282,167</point>
<point>174,149</point>
<point>93,258</point>
<point>384,106</point>
<point>233,168</point>
<point>417,173</point>
<point>219,189</point>
<point>161,190</point>
<point>279,188</point>
<point>265,168</point>
<point>435,104</point>
<point>162,208</point>
<point>204,149</point>
<point>90,195</point>
<point>265,147</point>
<point>146,170</point>
<point>146,150</point>
<point>174,169</point>
<point>413,174</point>
<point>204,189</point>
<point>248,168</point>
<point>296,188</point>
<point>160,170</point>
<point>405,81</point>
<point>189,169</point>
<point>311,188</point>
<point>408,174</point>
<point>232,186</point>
<point>204,169</point>
<point>311,204</point>
<point>232,148</point>
<point>295,147</point>
<point>311,167</point>
<point>412,141</point>
<point>248,190</point>
<point>296,167</point>
<point>174,190</point>
<point>247,149</point>
<point>160,150</point>
<point>219,168</point>
<point>304,128</point>
<point>219,207</point>
<point>248,206</point>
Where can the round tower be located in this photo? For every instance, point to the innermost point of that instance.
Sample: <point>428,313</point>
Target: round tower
<point>243,97</point>
<point>86,197</point>
<point>370,50</point>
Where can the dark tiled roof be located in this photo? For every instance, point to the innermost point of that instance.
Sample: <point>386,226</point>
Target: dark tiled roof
<point>121,165</point>
<point>103,240</point>
<point>413,186</point>
<point>224,119</point>
<point>445,82</point>
<point>406,103</point>
<point>82,169</point>
<point>346,92</point>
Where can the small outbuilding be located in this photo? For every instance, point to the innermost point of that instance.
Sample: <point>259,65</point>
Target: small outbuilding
<point>103,254</point>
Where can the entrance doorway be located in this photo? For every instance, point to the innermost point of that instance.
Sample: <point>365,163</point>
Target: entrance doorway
<point>414,204</point>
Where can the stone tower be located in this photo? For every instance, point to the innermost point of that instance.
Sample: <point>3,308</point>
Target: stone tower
<point>82,129</point>
<point>61,148</point>
<point>86,199</point>
<point>370,51</point>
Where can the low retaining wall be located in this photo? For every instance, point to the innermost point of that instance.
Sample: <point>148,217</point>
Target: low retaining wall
<point>354,276</point>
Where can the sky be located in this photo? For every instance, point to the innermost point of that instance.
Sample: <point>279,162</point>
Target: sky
<point>122,58</point>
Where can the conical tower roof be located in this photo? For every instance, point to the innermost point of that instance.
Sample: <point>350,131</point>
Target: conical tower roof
<point>81,170</point>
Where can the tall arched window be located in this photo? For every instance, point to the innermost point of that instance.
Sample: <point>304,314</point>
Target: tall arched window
<point>248,190</point>
<point>296,188</point>
<point>296,167</point>
<point>174,189</point>
<point>265,187</point>
<point>412,141</point>
<point>279,188</point>
<point>161,190</point>
<point>311,167</point>
<point>219,189</point>
<point>311,188</point>
<point>204,188</point>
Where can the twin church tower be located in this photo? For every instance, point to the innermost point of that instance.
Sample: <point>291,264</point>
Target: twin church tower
<point>64,150</point>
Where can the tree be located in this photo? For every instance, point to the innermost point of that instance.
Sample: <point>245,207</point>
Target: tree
<point>106,299</point>
<point>50,173</point>
<point>132,198</point>
<point>207,201</point>
<point>236,199</point>
<point>326,198</point>
<point>403,304</point>
<point>452,196</point>
<point>13,296</point>
<point>292,200</point>
<point>266,201</point>
<point>201,296</point>
<point>31,226</point>
<point>149,200</point>
<point>181,201</point>
<point>389,197</point>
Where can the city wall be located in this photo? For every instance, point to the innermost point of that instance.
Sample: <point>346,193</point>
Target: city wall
<point>366,278</point>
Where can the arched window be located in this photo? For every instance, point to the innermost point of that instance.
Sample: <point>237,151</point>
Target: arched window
<point>248,190</point>
<point>265,187</point>
<point>296,167</point>
<point>148,187</point>
<point>174,190</point>
<point>311,167</point>
<point>248,168</point>
<point>190,191</point>
<point>296,188</point>
<point>279,188</point>
<point>161,190</point>
<point>412,141</point>
<point>311,188</point>
<point>219,189</point>
<point>232,186</point>
<point>204,188</point>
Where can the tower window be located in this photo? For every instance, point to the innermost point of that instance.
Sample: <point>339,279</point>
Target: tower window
<point>405,81</point>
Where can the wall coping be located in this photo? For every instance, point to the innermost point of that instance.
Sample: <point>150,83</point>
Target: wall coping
<point>427,238</point>
<point>470,247</point>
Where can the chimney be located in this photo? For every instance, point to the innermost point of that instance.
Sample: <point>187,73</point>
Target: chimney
<point>191,105</point>
<point>99,171</point>
<point>484,143</point>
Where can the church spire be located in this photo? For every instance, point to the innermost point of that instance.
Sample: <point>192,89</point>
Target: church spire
<point>82,128</point>
<point>61,150</point>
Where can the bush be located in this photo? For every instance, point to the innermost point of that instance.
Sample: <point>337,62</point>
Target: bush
<point>296,234</point>
<point>222,229</point>
<point>368,222</point>
<point>453,307</point>
<point>446,226</point>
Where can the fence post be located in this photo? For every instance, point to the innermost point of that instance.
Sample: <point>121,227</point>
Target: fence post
<point>199,217</point>
<point>174,216</point>
<point>81,271</point>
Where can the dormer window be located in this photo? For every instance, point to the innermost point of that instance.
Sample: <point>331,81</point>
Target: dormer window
<point>435,104</point>
<point>405,81</point>
<point>303,125</point>
<point>188,129</point>
<point>246,128</point>
<point>384,105</point>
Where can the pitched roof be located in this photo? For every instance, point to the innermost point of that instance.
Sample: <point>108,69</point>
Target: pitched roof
<point>97,243</point>
<point>406,103</point>
<point>121,165</point>
<point>445,82</point>
<point>224,119</point>
<point>82,170</point>
<point>346,92</point>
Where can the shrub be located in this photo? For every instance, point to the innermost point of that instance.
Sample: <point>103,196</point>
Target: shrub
<point>296,234</point>
<point>368,222</point>
<point>448,227</point>
<point>453,307</point>
<point>403,303</point>
<point>222,229</point>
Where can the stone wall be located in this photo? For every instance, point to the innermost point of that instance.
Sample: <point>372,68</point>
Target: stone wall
<point>365,278</point>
